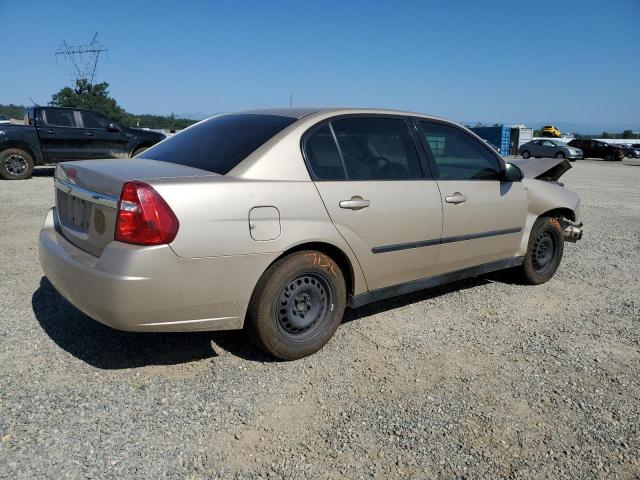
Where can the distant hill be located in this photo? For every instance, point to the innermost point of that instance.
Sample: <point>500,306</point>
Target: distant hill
<point>12,111</point>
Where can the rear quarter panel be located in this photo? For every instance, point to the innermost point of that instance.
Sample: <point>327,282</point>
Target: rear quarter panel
<point>214,217</point>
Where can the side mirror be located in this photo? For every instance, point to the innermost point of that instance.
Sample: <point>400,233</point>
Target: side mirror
<point>112,127</point>
<point>512,174</point>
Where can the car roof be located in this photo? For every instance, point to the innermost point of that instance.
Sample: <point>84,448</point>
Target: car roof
<point>301,112</point>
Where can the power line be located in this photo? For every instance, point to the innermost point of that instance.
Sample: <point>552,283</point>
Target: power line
<point>82,59</point>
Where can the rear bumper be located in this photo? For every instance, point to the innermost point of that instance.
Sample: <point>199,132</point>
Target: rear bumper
<point>150,288</point>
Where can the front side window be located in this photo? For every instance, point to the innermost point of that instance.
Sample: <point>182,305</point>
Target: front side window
<point>92,120</point>
<point>457,155</point>
<point>220,143</point>
<point>377,149</point>
<point>59,118</point>
<point>547,143</point>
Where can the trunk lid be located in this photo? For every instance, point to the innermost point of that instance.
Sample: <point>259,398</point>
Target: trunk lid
<point>87,194</point>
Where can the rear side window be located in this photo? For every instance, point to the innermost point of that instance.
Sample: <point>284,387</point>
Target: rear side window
<point>323,156</point>
<point>457,155</point>
<point>219,143</point>
<point>377,149</point>
<point>59,118</point>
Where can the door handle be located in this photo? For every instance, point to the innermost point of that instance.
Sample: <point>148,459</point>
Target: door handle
<point>356,203</point>
<point>51,131</point>
<point>456,198</point>
<point>88,134</point>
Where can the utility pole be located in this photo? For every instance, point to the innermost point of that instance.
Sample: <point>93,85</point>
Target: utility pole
<point>82,59</point>
<point>291,99</point>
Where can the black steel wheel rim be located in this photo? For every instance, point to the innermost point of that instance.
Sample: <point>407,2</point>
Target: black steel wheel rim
<point>303,305</point>
<point>544,251</point>
<point>15,164</point>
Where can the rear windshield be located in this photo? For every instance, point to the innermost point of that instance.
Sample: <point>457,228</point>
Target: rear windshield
<point>219,143</point>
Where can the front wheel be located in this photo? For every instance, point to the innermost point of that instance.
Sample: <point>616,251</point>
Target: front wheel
<point>559,155</point>
<point>15,164</point>
<point>544,252</point>
<point>297,305</point>
<point>608,157</point>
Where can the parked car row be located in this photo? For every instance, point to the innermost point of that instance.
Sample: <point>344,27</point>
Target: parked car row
<point>578,149</point>
<point>54,134</point>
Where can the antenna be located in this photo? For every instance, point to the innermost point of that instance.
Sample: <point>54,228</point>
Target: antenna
<point>34,102</point>
<point>82,59</point>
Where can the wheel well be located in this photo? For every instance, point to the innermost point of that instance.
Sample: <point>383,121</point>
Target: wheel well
<point>22,146</point>
<point>334,252</point>
<point>559,213</point>
<point>142,145</point>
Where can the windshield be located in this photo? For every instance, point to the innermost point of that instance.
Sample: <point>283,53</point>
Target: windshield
<point>220,143</point>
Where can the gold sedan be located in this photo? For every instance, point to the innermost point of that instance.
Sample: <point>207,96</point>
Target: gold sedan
<point>277,220</point>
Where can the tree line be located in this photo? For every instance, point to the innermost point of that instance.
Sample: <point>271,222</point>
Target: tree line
<point>96,97</point>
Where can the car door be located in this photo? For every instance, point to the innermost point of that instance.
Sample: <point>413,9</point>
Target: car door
<point>548,149</point>
<point>369,174</point>
<point>483,217</point>
<point>105,139</point>
<point>590,150</point>
<point>61,137</point>
<point>536,148</point>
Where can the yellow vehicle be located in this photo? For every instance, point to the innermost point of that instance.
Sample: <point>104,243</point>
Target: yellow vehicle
<point>550,131</point>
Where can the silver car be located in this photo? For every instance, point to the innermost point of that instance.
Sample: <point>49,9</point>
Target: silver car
<point>277,220</point>
<point>549,148</point>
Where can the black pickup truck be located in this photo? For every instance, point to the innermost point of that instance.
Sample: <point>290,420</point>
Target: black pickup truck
<point>54,134</point>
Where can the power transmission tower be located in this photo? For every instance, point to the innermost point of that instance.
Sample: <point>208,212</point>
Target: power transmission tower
<point>82,59</point>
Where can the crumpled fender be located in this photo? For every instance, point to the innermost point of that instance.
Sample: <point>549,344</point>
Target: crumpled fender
<point>545,196</point>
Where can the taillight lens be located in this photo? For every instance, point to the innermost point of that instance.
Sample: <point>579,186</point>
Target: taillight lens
<point>144,218</point>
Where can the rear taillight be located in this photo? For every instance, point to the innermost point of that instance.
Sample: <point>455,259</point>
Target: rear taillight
<point>144,218</point>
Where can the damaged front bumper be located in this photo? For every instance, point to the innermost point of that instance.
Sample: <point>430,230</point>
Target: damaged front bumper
<point>572,231</point>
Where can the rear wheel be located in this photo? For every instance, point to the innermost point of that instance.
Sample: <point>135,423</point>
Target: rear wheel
<point>544,252</point>
<point>526,154</point>
<point>15,164</point>
<point>297,305</point>
<point>138,151</point>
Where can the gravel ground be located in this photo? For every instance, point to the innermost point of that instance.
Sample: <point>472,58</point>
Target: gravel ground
<point>480,379</point>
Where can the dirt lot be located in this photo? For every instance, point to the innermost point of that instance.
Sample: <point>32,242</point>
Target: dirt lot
<point>480,379</point>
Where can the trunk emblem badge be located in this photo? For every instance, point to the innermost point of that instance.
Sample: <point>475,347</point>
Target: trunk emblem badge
<point>99,221</point>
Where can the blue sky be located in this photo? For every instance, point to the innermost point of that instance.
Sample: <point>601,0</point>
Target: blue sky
<point>574,61</point>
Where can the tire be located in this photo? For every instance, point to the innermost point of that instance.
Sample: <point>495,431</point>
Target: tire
<point>526,154</point>
<point>15,164</point>
<point>608,157</point>
<point>138,151</point>
<point>306,283</point>
<point>544,252</point>
<point>560,155</point>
